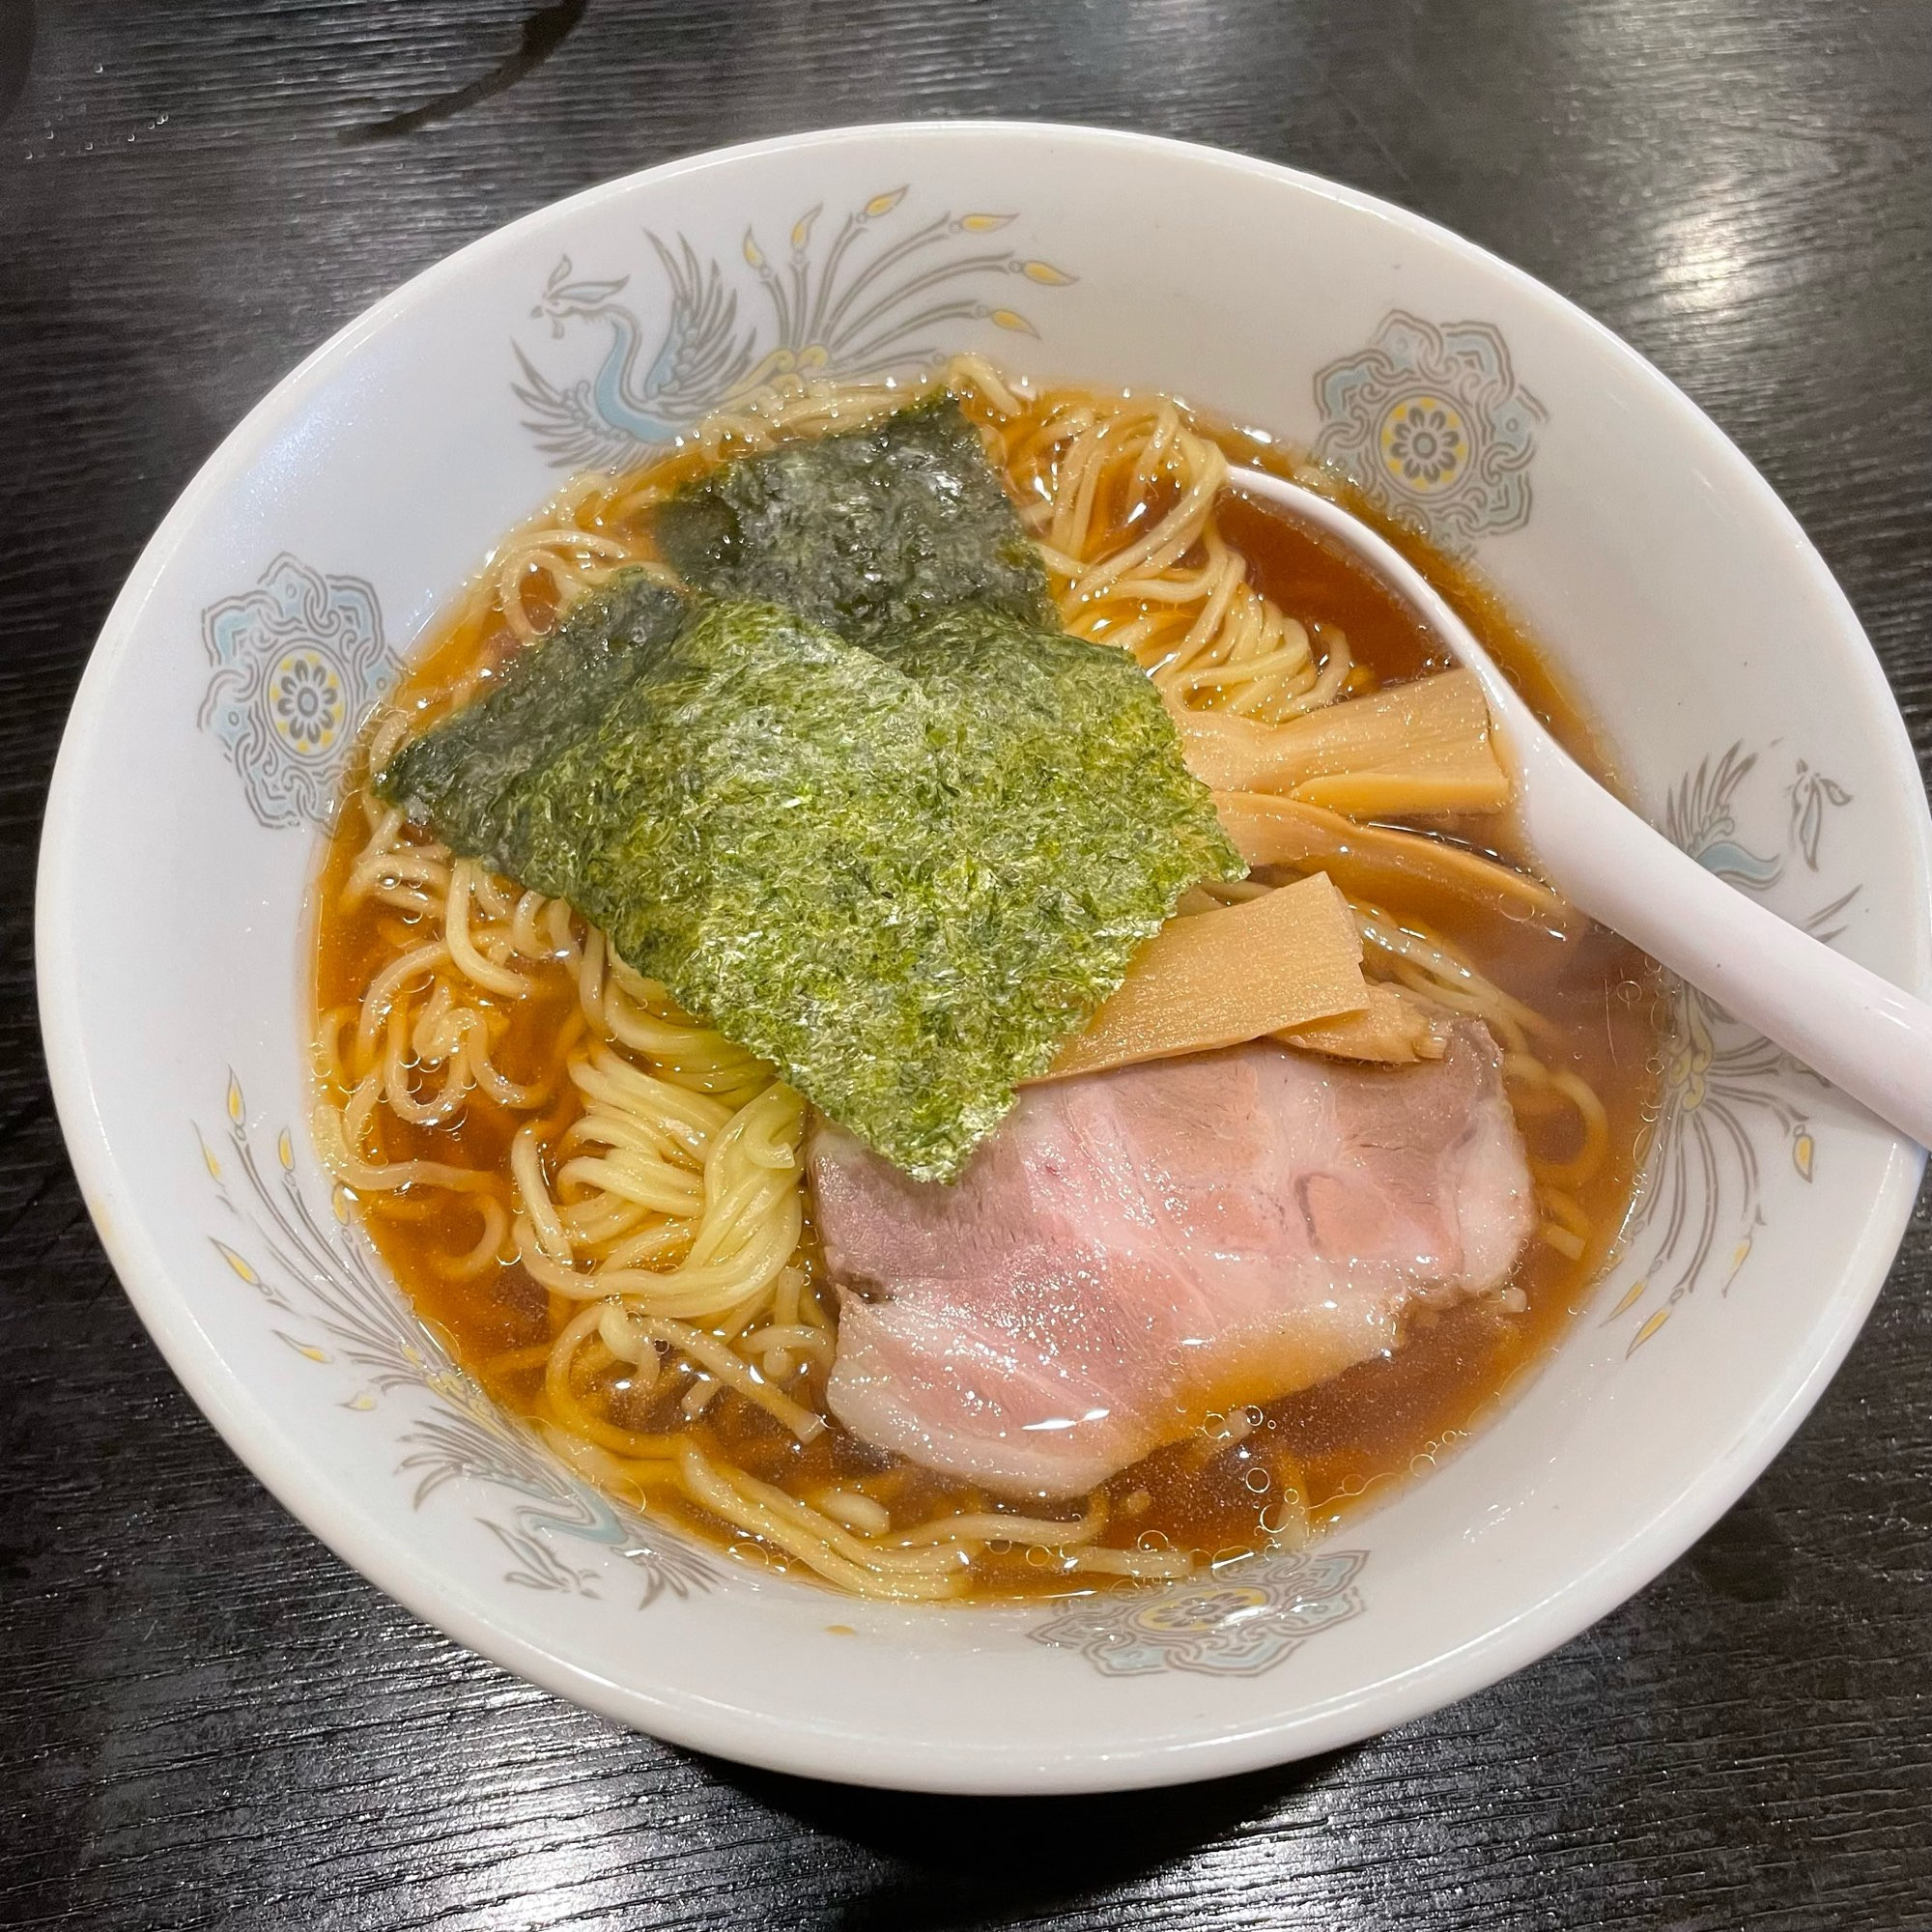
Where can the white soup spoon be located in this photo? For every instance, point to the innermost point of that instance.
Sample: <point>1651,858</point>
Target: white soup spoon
<point>1846,1023</point>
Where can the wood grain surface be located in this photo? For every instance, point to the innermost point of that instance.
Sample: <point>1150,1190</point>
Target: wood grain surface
<point>205,1720</point>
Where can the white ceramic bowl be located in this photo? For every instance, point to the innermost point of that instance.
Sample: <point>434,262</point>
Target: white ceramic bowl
<point>1675,591</point>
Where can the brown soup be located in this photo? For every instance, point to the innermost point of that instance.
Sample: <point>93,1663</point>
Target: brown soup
<point>1323,1451</point>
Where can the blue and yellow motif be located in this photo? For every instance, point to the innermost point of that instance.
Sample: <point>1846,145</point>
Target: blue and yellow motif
<point>1700,1204</point>
<point>313,1270</point>
<point>1431,424</point>
<point>297,661</point>
<point>1246,1619</point>
<point>869,300</point>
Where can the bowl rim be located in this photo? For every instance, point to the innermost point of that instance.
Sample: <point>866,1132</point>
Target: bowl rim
<point>838,1750</point>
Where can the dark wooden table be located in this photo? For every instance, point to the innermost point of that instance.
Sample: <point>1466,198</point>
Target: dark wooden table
<point>205,1720</point>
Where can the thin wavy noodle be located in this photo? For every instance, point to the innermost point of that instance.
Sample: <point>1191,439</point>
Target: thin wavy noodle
<point>642,1185</point>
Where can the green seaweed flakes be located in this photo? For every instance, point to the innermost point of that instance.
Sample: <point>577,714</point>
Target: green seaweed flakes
<point>904,876</point>
<point>866,531</point>
<point>459,774</point>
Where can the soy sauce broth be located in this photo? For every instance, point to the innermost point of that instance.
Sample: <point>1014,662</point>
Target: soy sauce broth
<point>1325,1451</point>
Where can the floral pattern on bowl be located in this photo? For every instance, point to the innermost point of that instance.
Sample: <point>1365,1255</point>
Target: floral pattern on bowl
<point>1238,1623</point>
<point>299,659</point>
<point>1431,423</point>
<point>313,1269</point>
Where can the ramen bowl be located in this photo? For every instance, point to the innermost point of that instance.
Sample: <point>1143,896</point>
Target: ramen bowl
<point>1670,589</point>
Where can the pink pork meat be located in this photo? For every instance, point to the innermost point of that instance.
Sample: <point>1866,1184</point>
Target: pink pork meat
<point>1134,1249</point>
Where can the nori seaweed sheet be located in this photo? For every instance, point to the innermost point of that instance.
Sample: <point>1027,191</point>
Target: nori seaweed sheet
<point>456,775</point>
<point>903,876</point>
<point>867,532</point>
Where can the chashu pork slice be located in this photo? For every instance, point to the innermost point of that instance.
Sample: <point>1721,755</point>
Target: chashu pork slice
<point>1134,1249</point>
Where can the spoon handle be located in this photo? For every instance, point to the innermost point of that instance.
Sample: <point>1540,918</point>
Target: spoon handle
<point>1847,1024</point>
